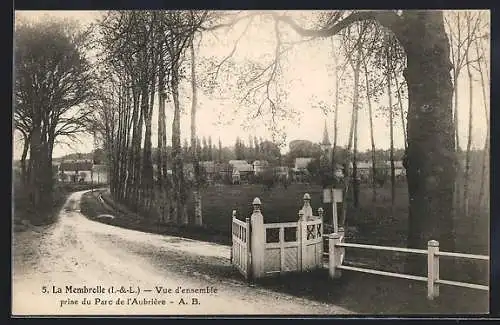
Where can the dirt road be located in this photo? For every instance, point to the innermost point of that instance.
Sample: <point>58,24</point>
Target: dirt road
<point>81,267</point>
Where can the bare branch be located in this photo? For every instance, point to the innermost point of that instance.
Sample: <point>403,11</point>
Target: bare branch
<point>388,19</point>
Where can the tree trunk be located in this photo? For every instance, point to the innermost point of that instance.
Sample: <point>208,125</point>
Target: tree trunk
<point>469,135</point>
<point>401,111</point>
<point>335,115</point>
<point>347,160</point>
<point>372,138</point>
<point>198,216</point>
<point>162,139</point>
<point>24,171</point>
<point>431,161</point>
<point>147,161</point>
<point>485,155</point>
<point>458,152</point>
<point>391,134</point>
<point>455,110</point>
<point>178,173</point>
<point>355,181</point>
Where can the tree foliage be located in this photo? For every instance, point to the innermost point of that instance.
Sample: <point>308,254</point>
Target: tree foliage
<point>53,84</point>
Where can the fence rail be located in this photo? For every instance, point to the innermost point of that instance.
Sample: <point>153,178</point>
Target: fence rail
<point>384,248</point>
<point>462,255</point>
<point>337,251</point>
<point>464,285</point>
<point>377,272</point>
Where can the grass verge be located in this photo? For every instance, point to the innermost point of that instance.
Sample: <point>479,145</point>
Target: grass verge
<point>22,216</point>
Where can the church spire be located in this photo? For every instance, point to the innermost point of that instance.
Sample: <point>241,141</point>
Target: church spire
<point>326,140</point>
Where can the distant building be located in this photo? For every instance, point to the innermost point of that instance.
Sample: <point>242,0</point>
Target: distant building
<point>364,168</point>
<point>241,168</point>
<point>259,166</point>
<point>399,169</point>
<point>282,172</point>
<point>326,146</point>
<point>301,163</point>
<point>78,170</point>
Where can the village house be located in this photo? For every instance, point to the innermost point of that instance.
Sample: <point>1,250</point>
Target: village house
<point>301,164</point>
<point>259,166</point>
<point>76,170</point>
<point>242,170</point>
<point>300,171</point>
<point>399,169</point>
<point>364,169</point>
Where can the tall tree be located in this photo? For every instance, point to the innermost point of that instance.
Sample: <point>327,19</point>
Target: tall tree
<point>482,67</point>
<point>210,149</point>
<point>182,25</point>
<point>53,82</point>
<point>353,38</point>
<point>472,23</point>
<point>370,92</point>
<point>390,58</point>
<point>431,131</point>
<point>220,152</point>
<point>198,211</point>
<point>204,150</point>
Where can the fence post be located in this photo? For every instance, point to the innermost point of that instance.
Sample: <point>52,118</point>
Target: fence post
<point>432,269</point>
<point>334,255</point>
<point>308,213</point>
<point>232,235</point>
<point>319,234</point>
<point>300,239</point>
<point>249,273</point>
<point>258,239</point>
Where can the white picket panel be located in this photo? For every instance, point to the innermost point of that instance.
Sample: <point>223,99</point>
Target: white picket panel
<point>241,246</point>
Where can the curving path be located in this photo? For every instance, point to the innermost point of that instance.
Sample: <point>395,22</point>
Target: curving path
<point>77,252</point>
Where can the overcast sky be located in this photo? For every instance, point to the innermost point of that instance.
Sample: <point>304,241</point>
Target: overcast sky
<point>308,77</point>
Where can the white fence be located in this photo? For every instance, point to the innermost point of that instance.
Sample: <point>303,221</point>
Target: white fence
<point>337,250</point>
<point>261,249</point>
<point>240,251</point>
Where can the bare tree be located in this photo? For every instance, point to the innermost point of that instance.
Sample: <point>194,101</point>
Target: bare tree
<point>181,26</point>
<point>371,87</point>
<point>483,68</point>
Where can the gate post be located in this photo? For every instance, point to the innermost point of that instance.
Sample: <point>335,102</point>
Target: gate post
<point>334,255</point>
<point>300,235</point>
<point>249,273</point>
<point>319,234</point>
<point>232,235</point>
<point>257,240</point>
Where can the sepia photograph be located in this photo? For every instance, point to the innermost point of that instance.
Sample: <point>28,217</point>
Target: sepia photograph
<point>250,162</point>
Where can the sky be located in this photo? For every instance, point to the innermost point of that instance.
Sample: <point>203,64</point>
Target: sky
<point>307,76</point>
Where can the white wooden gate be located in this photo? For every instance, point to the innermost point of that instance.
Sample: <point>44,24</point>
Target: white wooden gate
<point>261,249</point>
<point>312,244</point>
<point>281,248</point>
<point>240,251</point>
